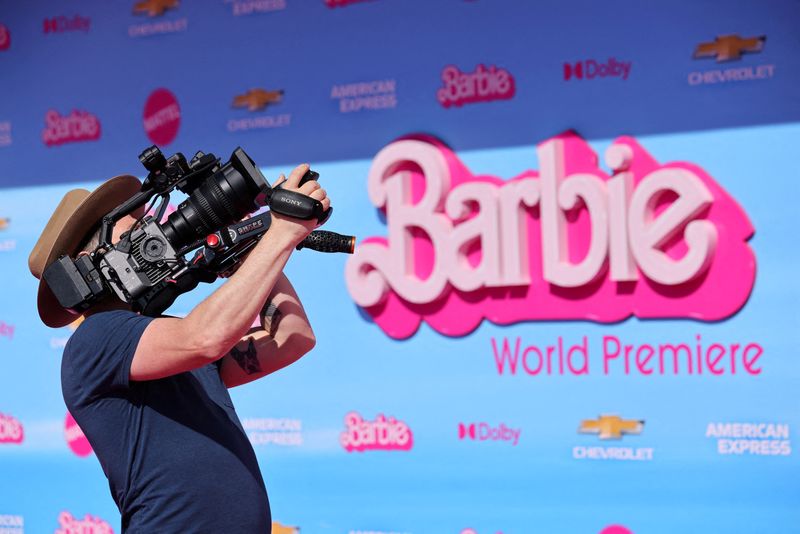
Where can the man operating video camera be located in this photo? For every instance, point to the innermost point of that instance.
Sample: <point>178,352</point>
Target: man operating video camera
<point>151,393</point>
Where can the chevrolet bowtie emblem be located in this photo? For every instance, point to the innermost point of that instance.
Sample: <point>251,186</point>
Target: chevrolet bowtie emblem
<point>728,47</point>
<point>4,223</point>
<point>257,99</point>
<point>154,8</point>
<point>611,426</point>
<point>277,528</point>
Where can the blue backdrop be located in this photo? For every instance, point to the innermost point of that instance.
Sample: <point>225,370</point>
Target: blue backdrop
<point>86,86</point>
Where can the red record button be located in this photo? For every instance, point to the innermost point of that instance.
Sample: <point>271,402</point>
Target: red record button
<point>212,240</point>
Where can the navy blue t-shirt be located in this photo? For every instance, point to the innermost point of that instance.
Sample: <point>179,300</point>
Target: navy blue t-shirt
<point>174,451</point>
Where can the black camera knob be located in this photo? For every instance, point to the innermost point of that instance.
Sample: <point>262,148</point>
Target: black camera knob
<point>153,248</point>
<point>153,159</point>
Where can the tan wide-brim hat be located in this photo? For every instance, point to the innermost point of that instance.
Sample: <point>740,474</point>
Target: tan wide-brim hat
<point>76,216</point>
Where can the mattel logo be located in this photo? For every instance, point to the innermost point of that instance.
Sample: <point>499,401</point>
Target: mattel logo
<point>486,432</point>
<point>88,525</point>
<point>64,24</point>
<point>161,117</point>
<point>5,37</point>
<point>11,430</point>
<point>75,437</point>
<point>590,69</point>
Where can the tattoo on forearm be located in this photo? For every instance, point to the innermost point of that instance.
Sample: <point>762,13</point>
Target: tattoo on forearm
<point>271,316</point>
<point>248,359</point>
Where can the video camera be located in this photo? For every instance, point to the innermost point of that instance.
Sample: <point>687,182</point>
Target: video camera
<point>148,268</point>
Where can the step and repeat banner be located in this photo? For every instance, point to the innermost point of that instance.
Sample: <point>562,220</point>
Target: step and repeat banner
<point>573,305</point>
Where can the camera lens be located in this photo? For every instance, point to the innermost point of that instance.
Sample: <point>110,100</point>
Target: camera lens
<point>222,199</point>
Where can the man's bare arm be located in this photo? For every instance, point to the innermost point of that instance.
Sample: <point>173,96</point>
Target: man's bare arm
<point>170,346</point>
<point>285,335</point>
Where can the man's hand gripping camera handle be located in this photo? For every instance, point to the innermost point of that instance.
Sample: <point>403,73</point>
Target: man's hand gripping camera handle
<point>298,205</point>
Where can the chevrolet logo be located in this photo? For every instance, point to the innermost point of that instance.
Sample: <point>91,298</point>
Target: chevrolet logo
<point>729,47</point>
<point>4,223</point>
<point>257,99</point>
<point>154,8</point>
<point>277,528</point>
<point>611,426</point>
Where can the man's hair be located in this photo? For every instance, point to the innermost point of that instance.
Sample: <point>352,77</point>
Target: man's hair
<point>91,241</point>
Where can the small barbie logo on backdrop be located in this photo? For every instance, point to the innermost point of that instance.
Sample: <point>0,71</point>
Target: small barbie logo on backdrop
<point>11,430</point>
<point>384,433</point>
<point>483,85</point>
<point>76,127</point>
<point>88,525</point>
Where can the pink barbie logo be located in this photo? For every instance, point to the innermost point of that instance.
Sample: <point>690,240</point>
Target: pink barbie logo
<point>88,525</point>
<point>382,434</point>
<point>566,242</point>
<point>343,3</point>
<point>7,330</point>
<point>162,117</point>
<point>76,127</point>
<point>11,430</point>
<point>75,437</point>
<point>5,37</point>
<point>483,85</point>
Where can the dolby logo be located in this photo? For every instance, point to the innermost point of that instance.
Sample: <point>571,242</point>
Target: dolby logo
<point>590,69</point>
<point>487,432</point>
<point>66,24</point>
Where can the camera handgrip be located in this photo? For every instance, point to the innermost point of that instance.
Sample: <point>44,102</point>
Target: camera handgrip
<point>324,241</point>
<point>297,205</point>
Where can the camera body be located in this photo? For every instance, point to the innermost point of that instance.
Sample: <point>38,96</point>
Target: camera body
<point>148,267</point>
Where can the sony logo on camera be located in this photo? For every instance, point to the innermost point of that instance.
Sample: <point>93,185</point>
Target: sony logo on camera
<point>292,201</point>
